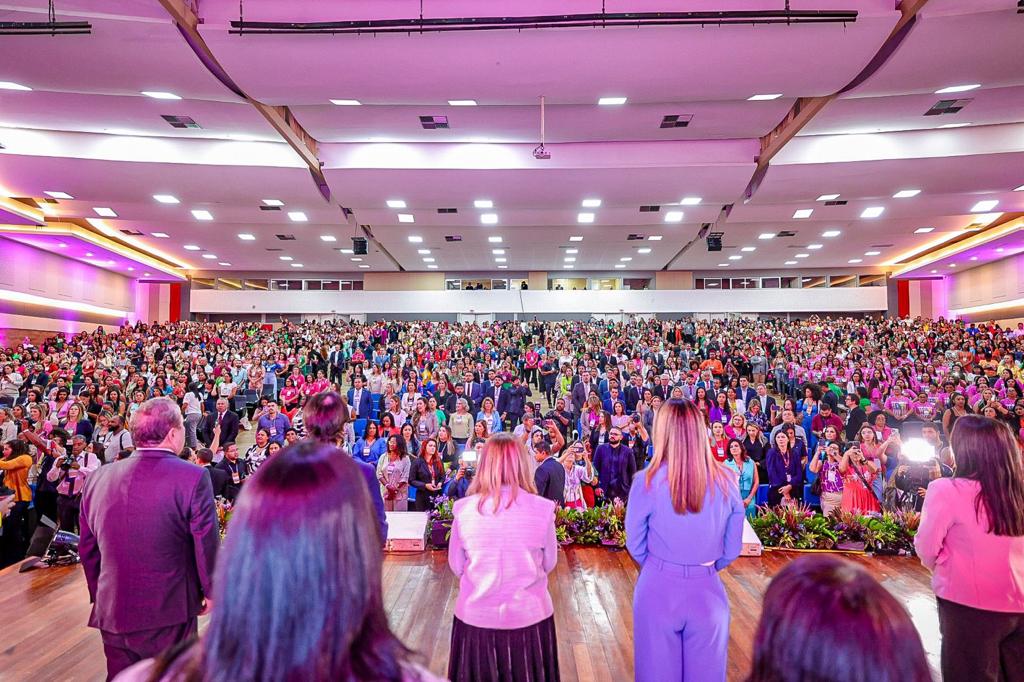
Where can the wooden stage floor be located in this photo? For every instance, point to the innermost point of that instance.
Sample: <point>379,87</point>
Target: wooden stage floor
<point>44,612</point>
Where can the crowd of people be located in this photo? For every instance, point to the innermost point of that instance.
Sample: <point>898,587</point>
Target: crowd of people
<point>851,413</point>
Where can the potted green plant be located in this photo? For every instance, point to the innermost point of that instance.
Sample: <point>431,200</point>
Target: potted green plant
<point>441,518</point>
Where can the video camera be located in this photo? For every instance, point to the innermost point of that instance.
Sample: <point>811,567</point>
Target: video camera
<point>920,462</point>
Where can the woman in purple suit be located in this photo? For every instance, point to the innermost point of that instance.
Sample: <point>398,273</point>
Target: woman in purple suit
<point>684,523</point>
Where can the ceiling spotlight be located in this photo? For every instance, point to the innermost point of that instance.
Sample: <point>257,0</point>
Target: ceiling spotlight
<point>246,237</point>
<point>590,203</point>
<point>764,98</point>
<point>224,264</point>
<point>766,235</point>
<point>984,206</point>
<point>585,218</point>
<point>89,254</point>
<point>347,252</point>
<point>626,259</point>
<point>489,218</point>
<point>674,217</point>
<point>958,88</point>
<point>432,267</point>
<point>395,203</point>
<point>827,197</point>
<point>503,267</point>
<point>609,101</point>
<point>483,203</point>
<point>57,195</point>
<point>872,211</point>
<point>855,260</point>
<point>105,212</point>
<point>689,201</point>
<point>831,233</point>
<point>654,238</point>
<point>286,258</point>
<point>952,265</point>
<point>923,230</point>
<point>166,198</point>
<point>494,239</point>
<point>356,259</point>
<point>192,247</point>
<point>328,238</point>
<point>643,251</point>
<point>814,247</point>
<point>346,102</point>
<point>791,262</point>
<point>160,235</point>
<point>297,265</point>
<point>462,102</point>
<point>569,259</point>
<point>428,259</point>
<point>572,251</point>
<point>501,260</point>
<point>872,253</point>
<point>297,217</point>
<point>955,125</point>
<point>415,239</point>
<point>802,255</point>
<point>156,94</point>
<point>202,214</point>
<point>273,202</point>
<point>735,257</point>
<point>576,239</point>
<point>723,265</point>
<point>906,193</point>
<point>364,267</point>
<point>498,252</point>
<point>209,256</point>
<point>423,252</point>
<point>406,218</point>
<point>803,213</point>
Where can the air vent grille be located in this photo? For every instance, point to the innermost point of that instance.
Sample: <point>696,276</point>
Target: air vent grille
<point>433,122</point>
<point>650,208</point>
<point>635,237</point>
<point>676,121</point>
<point>286,237</point>
<point>948,106</point>
<point>180,121</point>
<point>453,237</point>
<point>785,233</point>
<point>836,202</point>
<point>447,210</point>
<point>270,208</point>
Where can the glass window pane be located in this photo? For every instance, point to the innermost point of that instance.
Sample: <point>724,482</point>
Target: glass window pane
<point>872,280</point>
<point>769,282</point>
<point>331,285</point>
<point>203,283</point>
<point>260,284</point>
<point>357,285</point>
<point>314,285</point>
<point>835,281</point>
<point>453,284</point>
<point>790,282</point>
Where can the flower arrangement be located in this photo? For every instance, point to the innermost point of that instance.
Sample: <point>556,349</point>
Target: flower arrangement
<point>441,517</point>
<point>603,525</point>
<point>801,529</point>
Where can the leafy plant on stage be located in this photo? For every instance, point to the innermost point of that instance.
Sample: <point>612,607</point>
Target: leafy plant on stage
<point>441,517</point>
<point>801,528</point>
<point>604,525</point>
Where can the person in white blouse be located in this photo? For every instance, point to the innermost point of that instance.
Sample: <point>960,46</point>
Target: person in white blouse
<point>502,548</point>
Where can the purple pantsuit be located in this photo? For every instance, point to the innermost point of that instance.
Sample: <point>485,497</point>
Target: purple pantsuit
<point>680,610</point>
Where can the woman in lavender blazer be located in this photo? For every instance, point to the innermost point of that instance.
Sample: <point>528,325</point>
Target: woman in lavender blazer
<point>502,548</point>
<point>684,523</point>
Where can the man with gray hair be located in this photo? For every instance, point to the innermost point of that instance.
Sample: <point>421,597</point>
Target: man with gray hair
<point>70,473</point>
<point>149,541</point>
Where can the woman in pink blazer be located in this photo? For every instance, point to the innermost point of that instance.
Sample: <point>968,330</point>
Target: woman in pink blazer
<point>502,548</point>
<point>972,539</point>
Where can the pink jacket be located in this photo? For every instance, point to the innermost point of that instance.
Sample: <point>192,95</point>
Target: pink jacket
<point>969,565</point>
<point>503,560</point>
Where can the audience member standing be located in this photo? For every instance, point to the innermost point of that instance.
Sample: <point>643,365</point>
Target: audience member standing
<point>684,523</point>
<point>972,538</point>
<point>15,465</point>
<point>149,541</point>
<point>550,475</point>
<point>615,466</point>
<point>826,619</point>
<point>502,548</point>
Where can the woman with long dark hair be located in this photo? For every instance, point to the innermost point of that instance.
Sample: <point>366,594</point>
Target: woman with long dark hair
<point>15,464</point>
<point>972,538</point>
<point>283,611</point>
<point>826,619</point>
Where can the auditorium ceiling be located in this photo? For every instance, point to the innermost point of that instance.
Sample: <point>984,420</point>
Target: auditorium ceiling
<point>266,146</point>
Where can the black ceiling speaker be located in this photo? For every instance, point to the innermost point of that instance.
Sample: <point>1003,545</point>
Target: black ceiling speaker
<point>715,241</point>
<point>359,246</point>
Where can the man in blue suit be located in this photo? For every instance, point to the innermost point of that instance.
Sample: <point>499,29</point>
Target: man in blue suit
<point>472,389</point>
<point>359,399</point>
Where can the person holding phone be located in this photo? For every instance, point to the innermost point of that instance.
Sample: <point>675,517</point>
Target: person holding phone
<point>826,465</point>
<point>859,474</point>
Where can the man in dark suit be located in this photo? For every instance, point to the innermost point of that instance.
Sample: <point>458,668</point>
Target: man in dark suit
<point>581,391</point>
<point>634,392</point>
<point>218,477</point>
<point>359,399</point>
<point>336,365</point>
<point>550,475</point>
<point>236,470</point>
<point>745,392</point>
<point>227,420</point>
<point>452,401</point>
<point>149,542</point>
<point>515,402</point>
<point>768,404</point>
<point>855,417</point>
<point>489,384</point>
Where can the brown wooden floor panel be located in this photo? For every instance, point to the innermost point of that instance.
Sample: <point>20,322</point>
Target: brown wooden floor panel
<point>43,634</point>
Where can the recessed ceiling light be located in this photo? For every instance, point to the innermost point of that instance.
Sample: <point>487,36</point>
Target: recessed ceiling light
<point>626,259</point>
<point>831,233</point>
<point>498,252</point>
<point>428,259</point>
<point>906,193</point>
<point>973,258</point>
<point>735,257</point>
<point>690,201</point>
<point>356,259</point>
<point>501,260</point>
<point>952,265</point>
<point>297,216</point>
<point>423,252</point>
<point>644,251</point>
<point>855,260</point>
<point>572,251</point>
<point>872,211</point>
<point>364,267</point>
<point>655,238</point>
<point>984,206</point>
<point>483,203</point>
<point>923,230</point>
<point>955,125</point>
<point>246,237</point>
<point>145,274</point>
<point>395,203</point>
<point>723,265</point>
<point>406,218</point>
<point>576,238</point>
<point>748,249</point>
<point>766,235</point>
<point>297,265</point>
<point>585,217</point>
<point>166,198</point>
<point>462,102</point>
<point>157,94</point>
<point>202,214</point>
<point>764,98</point>
<point>8,85</point>
<point>131,269</point>
<point>346,102</point>
<point>209,256</point>
<point>160,235</point>
<point>494,239</point>
<point>569,259</point>
<point>89,254</point>
<point>791,262</point>
<point>286,258</point>
<point>432,267</point>
<point>225,264</point>
<point>985,218</point>
<point>607,101</point>
<point>57,195</point>
<point>192,247</point>
<point>1019,189</point>
<point>803,213</point>
<point>273,202</point>
<point>105,212</point>
<point>802,255</point>
<point>503,267</point>
<point>415,239</point>
<point>674,217</point>
<point>347,252</point>
<point>814,247</point>
<point>958,88</point>
<point>489,218</point>
<point>328,238</point>
<point>827,197</point>
<point>935,272</point>
<point>1000,250</point>
<point>872,253</point>
<point>590,203</point>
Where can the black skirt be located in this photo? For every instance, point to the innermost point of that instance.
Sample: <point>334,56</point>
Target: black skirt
<point>527,654</point>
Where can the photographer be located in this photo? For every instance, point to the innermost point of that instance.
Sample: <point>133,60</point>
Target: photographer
<point>921,462</point>
<point>826,465</point>
<point>69,474</point>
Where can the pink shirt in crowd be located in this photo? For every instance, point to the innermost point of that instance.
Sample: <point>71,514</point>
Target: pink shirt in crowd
<point>503,560</point>
<point>969,565</point>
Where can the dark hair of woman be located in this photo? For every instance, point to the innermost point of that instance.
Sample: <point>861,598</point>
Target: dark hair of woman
<point>827,619</point>
<point>18,448</point>
<point>298,584</point>
<point>985,451</point>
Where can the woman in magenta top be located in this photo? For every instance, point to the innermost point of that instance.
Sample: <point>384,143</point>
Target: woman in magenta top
<point>972,538</point>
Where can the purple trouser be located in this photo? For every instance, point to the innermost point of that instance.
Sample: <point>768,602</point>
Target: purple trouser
<point>126,649</point>
<point>680,623</point>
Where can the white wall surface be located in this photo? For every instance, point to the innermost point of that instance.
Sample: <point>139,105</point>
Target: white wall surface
<point>651,301</point>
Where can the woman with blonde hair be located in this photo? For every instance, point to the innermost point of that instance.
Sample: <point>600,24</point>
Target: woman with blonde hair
<point>502,549</point>
<point>684,523</point>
